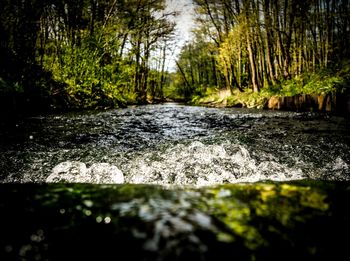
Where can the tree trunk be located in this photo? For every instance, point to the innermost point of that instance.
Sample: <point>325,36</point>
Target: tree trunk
<point>268,42</point>
<point>252,64</point>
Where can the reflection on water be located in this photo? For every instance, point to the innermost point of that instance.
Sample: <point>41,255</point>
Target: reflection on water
<point>262,221</point>
<point>175,144</point>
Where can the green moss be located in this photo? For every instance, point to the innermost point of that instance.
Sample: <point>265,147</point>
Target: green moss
<point>262,221</point>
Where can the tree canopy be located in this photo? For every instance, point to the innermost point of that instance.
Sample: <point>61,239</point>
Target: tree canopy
<point>254,45</point>
<point>109,53</point>
<point>83,53</point>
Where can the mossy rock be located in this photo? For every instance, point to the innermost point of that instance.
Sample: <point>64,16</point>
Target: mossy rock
<point>304,220</point>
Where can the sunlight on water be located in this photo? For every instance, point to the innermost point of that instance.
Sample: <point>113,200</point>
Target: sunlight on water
<point>176,145</point>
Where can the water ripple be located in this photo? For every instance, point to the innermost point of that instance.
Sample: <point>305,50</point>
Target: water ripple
<point>177,144</point>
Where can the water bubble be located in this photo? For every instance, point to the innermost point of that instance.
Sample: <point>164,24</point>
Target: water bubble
<point>87,212</point>
<point>99,219</point>
<point>38,237</point>
<point>107,220</point>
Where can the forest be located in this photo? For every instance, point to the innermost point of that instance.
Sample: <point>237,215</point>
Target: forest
<point>256,49</point>
<point>82,53</point>
<point>60,54</point>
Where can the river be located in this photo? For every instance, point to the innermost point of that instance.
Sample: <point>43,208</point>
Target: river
<point>173,144</point>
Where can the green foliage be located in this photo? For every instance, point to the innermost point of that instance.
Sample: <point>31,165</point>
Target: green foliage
<point>82,54</point>
<point>211,95</point>
<point>251,99</point>
<point>89,82</point>
<point>8,87</point>
<point>224,97</point>
<point>323,81</point>
<point>195,72</point>
<point>172,90</point>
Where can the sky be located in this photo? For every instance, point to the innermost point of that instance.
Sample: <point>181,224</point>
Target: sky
<point>184,25</point>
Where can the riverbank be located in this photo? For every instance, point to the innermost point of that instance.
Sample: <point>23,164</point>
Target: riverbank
<point>338,103</point>
<point>324,90</point>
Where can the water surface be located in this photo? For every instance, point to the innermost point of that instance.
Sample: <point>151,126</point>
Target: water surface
<point>175,144</point>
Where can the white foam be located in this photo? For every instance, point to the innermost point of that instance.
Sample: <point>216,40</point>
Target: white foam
<point>76,172</point>
<point>198,164</point>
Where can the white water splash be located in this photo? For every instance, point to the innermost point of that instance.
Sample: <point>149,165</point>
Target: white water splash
<point>198,164</point>
<point>337,170</point>
<point>77,172</point>
<point>340,164</point>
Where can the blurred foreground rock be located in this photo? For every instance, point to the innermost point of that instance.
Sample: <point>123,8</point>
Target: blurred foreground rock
<point>304,220</point>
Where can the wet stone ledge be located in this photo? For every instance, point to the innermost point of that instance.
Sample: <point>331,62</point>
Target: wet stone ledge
<point>303,220</point>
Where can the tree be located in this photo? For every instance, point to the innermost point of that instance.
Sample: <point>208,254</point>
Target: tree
<point>262,42</point>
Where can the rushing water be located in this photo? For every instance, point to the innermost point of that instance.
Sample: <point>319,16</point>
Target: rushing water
<point>175,144</point>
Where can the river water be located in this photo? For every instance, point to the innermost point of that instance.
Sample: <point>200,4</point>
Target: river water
<point>172,144</point>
